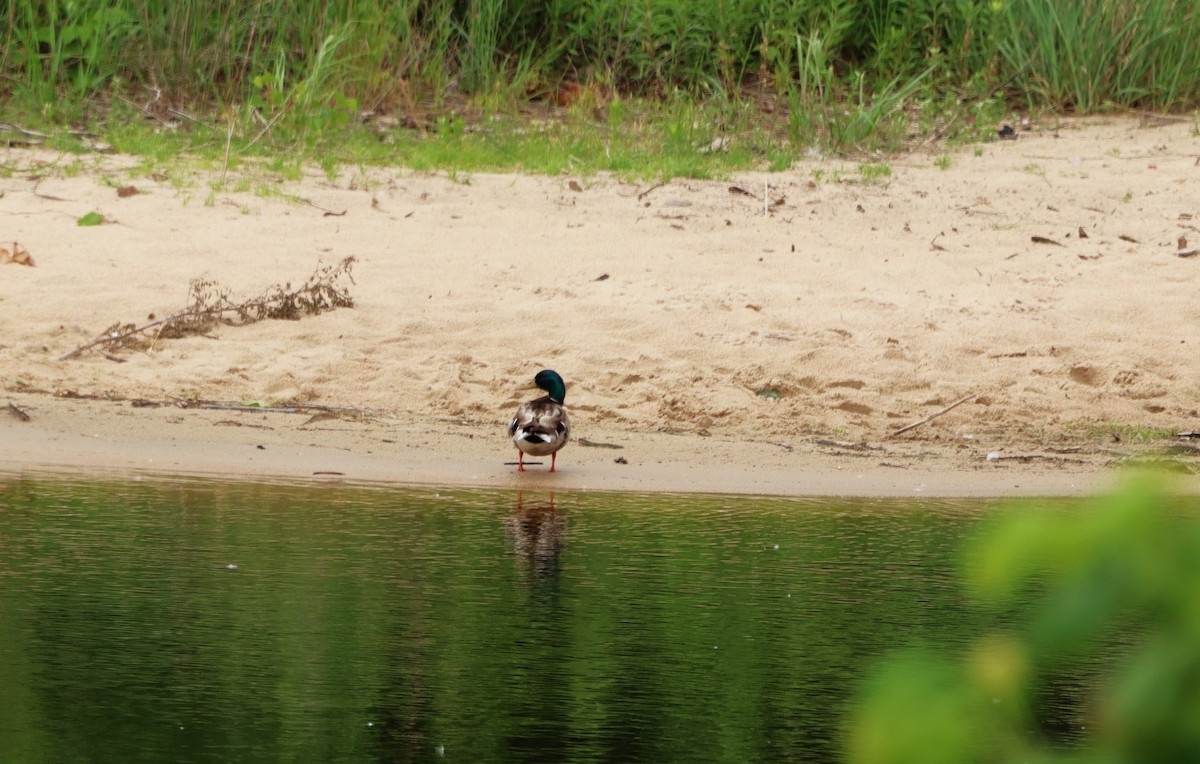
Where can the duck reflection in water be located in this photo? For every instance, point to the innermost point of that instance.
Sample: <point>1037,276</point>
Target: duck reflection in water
<point>537,530</point>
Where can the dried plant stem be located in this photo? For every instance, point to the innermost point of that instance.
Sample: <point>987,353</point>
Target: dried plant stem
<point>228,147</point>
<point>161,323</point>
<point>934,415</point>
<point>211,305</point>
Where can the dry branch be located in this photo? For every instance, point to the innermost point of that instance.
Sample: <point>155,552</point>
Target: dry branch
<point>211,305</point>
<point>934,415</point>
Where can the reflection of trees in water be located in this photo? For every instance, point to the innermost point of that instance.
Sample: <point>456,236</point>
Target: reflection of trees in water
<point>537,531</point>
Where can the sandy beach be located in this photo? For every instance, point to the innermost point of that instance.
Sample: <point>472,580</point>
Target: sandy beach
<point>710,342</point>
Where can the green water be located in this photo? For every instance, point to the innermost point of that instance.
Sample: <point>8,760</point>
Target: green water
<point>179,621</point>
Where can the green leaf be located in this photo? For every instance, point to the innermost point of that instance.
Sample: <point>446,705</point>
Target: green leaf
<point>92,218</point>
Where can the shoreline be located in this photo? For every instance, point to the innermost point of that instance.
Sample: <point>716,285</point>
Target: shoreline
<point>117,440</point>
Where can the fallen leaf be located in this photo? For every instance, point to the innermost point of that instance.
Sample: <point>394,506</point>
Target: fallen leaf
<point>740,190</point>
<point>1044,240</point>
<point>1129,239</point>
<point>755,308</point>
<point>568,93</point>
<point>125,191</point>
<point>320,416</point>
<point>1182,242</point>
<point>601,277</point>
<point>92,218</point>
<point>574,186</point>
<point>18,255</point>
<point>1082,233</point>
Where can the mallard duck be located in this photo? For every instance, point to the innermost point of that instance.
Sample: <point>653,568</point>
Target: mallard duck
<point>541,425</point>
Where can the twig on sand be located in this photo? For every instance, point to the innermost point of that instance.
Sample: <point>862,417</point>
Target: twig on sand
<point>847,444</point>
<point>595,444</point>
<point>328,212</point>
<point>211,304</point>
<point>113,336</point>
<point>288,407</point>
<point>933,416</point>
<point>648,190</point>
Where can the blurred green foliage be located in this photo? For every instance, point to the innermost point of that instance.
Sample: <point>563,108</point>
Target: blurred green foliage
<point>1124,566</point>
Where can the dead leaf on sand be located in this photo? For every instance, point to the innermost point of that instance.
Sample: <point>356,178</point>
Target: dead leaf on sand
<point>17,254</point>
<point>127,191</point>
<point>1044,240</point>
<point>320,416</point>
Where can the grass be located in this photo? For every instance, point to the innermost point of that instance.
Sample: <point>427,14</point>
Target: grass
<point>872,173</point>
<point>1089,54</point>
<point>1111,431</point>
<point>634,88</point>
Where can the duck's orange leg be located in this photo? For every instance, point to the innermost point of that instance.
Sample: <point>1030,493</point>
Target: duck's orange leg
<point>553,459</point>
<point>520,460</point>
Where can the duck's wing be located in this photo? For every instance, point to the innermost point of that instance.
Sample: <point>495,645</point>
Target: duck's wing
<point>541,420</point>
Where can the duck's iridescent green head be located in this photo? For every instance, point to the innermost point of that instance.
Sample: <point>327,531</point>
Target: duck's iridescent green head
<point>552,383</point>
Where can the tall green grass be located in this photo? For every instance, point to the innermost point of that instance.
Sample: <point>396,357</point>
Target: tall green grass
<point>837,72</point>
<point>1085,55</point>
